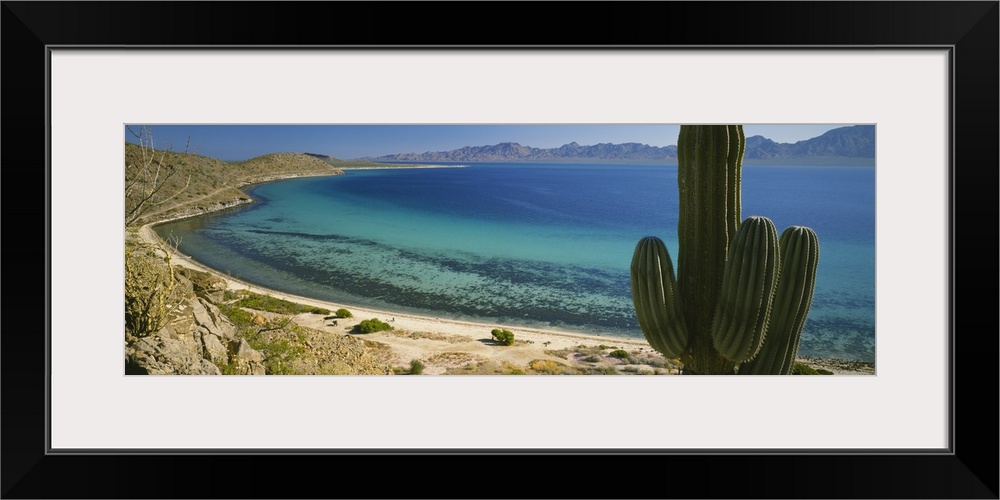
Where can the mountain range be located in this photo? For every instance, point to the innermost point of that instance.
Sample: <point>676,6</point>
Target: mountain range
<point>849,145</point>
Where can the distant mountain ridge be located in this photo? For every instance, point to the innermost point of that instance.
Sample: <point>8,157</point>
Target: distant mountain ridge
<point>512,151</point>
<point>857,142</point>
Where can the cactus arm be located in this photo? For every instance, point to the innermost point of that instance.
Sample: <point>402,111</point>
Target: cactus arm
<point>741,315</point>
<point>654,293</point>
<point>800,258</point>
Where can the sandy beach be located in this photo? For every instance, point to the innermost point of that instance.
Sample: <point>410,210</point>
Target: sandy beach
<point>440,343</point>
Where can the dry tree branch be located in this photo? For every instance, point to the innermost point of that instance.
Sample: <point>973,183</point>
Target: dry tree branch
<point>146,179</point>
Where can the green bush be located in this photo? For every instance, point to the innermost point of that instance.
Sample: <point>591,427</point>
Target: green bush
<point>343,313</point>
<point>272,304</point>
<point>242,319</point>
<point>801,369</point>
<point>371,326</point>
<point>505,337</point>
<point>619,353</point>
<point>416,367</point>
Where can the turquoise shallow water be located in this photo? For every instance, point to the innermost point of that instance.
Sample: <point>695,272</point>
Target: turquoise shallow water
<point>544,245</point>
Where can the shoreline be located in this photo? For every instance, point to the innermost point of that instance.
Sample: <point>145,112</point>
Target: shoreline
<point>440,337</point>
<point>147,233</point>
<point>404,167</point>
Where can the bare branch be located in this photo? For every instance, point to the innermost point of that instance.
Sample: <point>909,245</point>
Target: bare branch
<point>279,327</point>
<point>147,178</point>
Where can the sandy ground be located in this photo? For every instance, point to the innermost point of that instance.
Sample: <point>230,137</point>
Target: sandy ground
<point>445,342</point>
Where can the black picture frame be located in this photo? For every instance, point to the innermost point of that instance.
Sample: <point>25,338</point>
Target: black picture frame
<point>969,470</point>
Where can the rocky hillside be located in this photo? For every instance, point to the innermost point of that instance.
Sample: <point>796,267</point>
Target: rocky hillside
<point>208,332</point>
<point>338,163</point>
<point>192,184</point>
<point>180,321</point>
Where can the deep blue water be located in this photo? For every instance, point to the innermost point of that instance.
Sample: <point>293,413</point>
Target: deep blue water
<point>545,245</point>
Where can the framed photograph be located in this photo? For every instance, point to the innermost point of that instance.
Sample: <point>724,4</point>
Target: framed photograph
<point>922,74</point>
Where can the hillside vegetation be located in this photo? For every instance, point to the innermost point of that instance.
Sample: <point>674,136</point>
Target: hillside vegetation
<point>210,183</point>
<point>338,163</point>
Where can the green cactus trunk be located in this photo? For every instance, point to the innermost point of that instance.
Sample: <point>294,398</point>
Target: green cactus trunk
<point>741,295</point>
<point>709,163</point>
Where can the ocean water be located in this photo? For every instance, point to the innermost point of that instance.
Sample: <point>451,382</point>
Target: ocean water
<point>544,245</point>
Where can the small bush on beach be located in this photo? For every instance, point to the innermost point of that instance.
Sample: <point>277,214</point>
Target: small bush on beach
<point>505,337</point>
<point>416,367</point>
<point>343,313</point>
<point>371,326</point>
<point>619,353</point>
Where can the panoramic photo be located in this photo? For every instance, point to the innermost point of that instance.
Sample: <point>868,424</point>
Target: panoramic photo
<point>536,249</point>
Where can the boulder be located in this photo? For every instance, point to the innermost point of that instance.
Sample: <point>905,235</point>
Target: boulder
<point>213,349</point>
<point>210,320</point>
<point>156,355</point>
<point>204,284</point>
<point>245,359</point>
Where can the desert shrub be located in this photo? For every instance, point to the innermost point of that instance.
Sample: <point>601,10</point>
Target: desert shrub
<point>278,356</point>
<point>278,352</point>
<point>602,370</point>
<point>549,367</point>
<point>343,313</point>
<point>801,369</point>
<point>371,326</point>
<point>619,353</point>
<point>416,367</point>
<point>505,337</point>
<point>654,362</point>
<point>227,368</point>
<point>239,317</point>
<point>272,304</point>
<point>150,291</point>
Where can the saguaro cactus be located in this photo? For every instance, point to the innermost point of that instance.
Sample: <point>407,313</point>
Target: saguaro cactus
<point>741,294</point>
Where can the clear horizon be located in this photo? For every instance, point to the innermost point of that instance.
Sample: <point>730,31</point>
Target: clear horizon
<point>242,142</point>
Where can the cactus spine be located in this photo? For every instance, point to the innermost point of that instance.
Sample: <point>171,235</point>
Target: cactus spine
<point>741,295</point>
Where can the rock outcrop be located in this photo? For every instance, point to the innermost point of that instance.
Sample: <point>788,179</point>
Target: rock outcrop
<point>197,338</point>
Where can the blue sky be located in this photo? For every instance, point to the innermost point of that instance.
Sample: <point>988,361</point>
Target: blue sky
<point>241,142</point>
